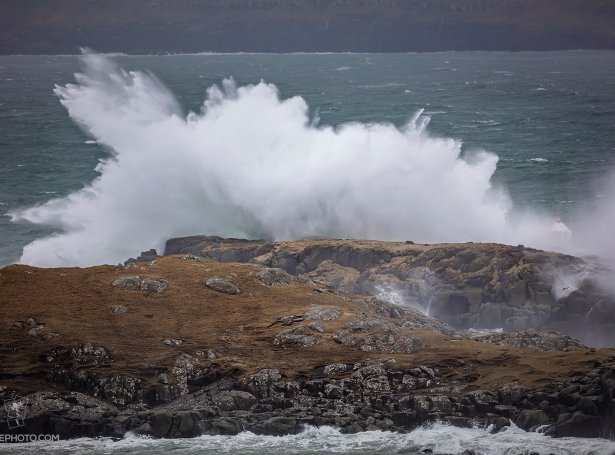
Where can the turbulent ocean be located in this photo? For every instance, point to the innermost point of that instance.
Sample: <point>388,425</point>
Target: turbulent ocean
<point>102,157</point>
<point>434,439</point>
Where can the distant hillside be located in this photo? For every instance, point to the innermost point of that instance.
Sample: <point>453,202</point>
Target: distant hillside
<point>158,26</point>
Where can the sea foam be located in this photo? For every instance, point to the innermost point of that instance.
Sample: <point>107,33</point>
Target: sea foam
<point>436,438</point>
<point>251,164</point>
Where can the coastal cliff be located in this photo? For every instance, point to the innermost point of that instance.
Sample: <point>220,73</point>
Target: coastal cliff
<point>185,345</point>
<point>468,285</point>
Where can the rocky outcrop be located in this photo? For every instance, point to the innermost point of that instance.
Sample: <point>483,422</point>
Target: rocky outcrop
<point>359,397</point>
<point>134,283</point>
<point>273,277</point>
<point>534,339</point>
<point>270,359</point>
<point>467,285</point>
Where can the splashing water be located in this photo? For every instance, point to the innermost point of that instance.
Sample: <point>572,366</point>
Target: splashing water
<point>252,165</point>
<point>436,438</point>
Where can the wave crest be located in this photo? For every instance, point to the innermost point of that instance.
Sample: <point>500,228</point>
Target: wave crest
<point>251,164</point>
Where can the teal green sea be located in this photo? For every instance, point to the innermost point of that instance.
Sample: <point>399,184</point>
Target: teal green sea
<point>548,116</point>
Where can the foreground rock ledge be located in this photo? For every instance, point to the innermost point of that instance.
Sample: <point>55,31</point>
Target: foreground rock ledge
<point>183,359</point>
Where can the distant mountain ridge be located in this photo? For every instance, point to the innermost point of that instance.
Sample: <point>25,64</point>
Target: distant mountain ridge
<point>160,26</point>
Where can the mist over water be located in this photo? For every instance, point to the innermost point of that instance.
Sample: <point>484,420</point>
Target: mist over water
<point>251,164</point>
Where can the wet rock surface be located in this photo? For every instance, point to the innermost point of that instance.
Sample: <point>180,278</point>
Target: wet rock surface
<point>354,398</point>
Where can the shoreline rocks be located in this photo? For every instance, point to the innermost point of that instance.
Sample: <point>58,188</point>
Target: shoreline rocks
<point>353,398</point>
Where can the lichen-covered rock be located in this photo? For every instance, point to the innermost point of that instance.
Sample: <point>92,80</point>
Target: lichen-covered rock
<point>538,340</point>
<point>298,336</point>
<point>273,277</point>
<point>222,285</point>
<point>260,384</point>
<point>336,368</point>
<point>233,400</point>
<point>154,285</point>
<point>317,326</point>
<point>132,283</point>
<point>323,314</point>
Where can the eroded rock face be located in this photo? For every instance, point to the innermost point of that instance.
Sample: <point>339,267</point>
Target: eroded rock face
<point>384,342</point>
<point>538,340</point>
<point>222,285</point>
<point>359,397</point>
<point>463,285</point>
<point>375,334</point>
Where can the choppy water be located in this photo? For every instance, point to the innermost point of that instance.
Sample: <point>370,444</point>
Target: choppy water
<point>548,116</point>
<point>440,439</point>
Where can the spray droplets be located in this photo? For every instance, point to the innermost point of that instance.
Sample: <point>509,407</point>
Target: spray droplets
<point>253,165</point>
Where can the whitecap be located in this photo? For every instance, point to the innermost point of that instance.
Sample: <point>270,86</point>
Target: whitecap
<point>255,165</point>
<point>437,438</point>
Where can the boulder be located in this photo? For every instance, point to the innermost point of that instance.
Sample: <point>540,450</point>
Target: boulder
<point>154,285</point>
<point>336,368</point>
<point>577,425</point>
<point>298,336</point>
<point>222,285</point>
<point>261,384</point>
<point>226,426</point>
<point>277,426</point>
<point>273,277</point>
<point>132,283</point>
<point>531,419</point>
<point>233,400</point>
<point>538,340</point>
<point>323,314</point>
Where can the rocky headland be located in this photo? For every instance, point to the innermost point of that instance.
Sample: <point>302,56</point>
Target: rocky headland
<point>221,336</point>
